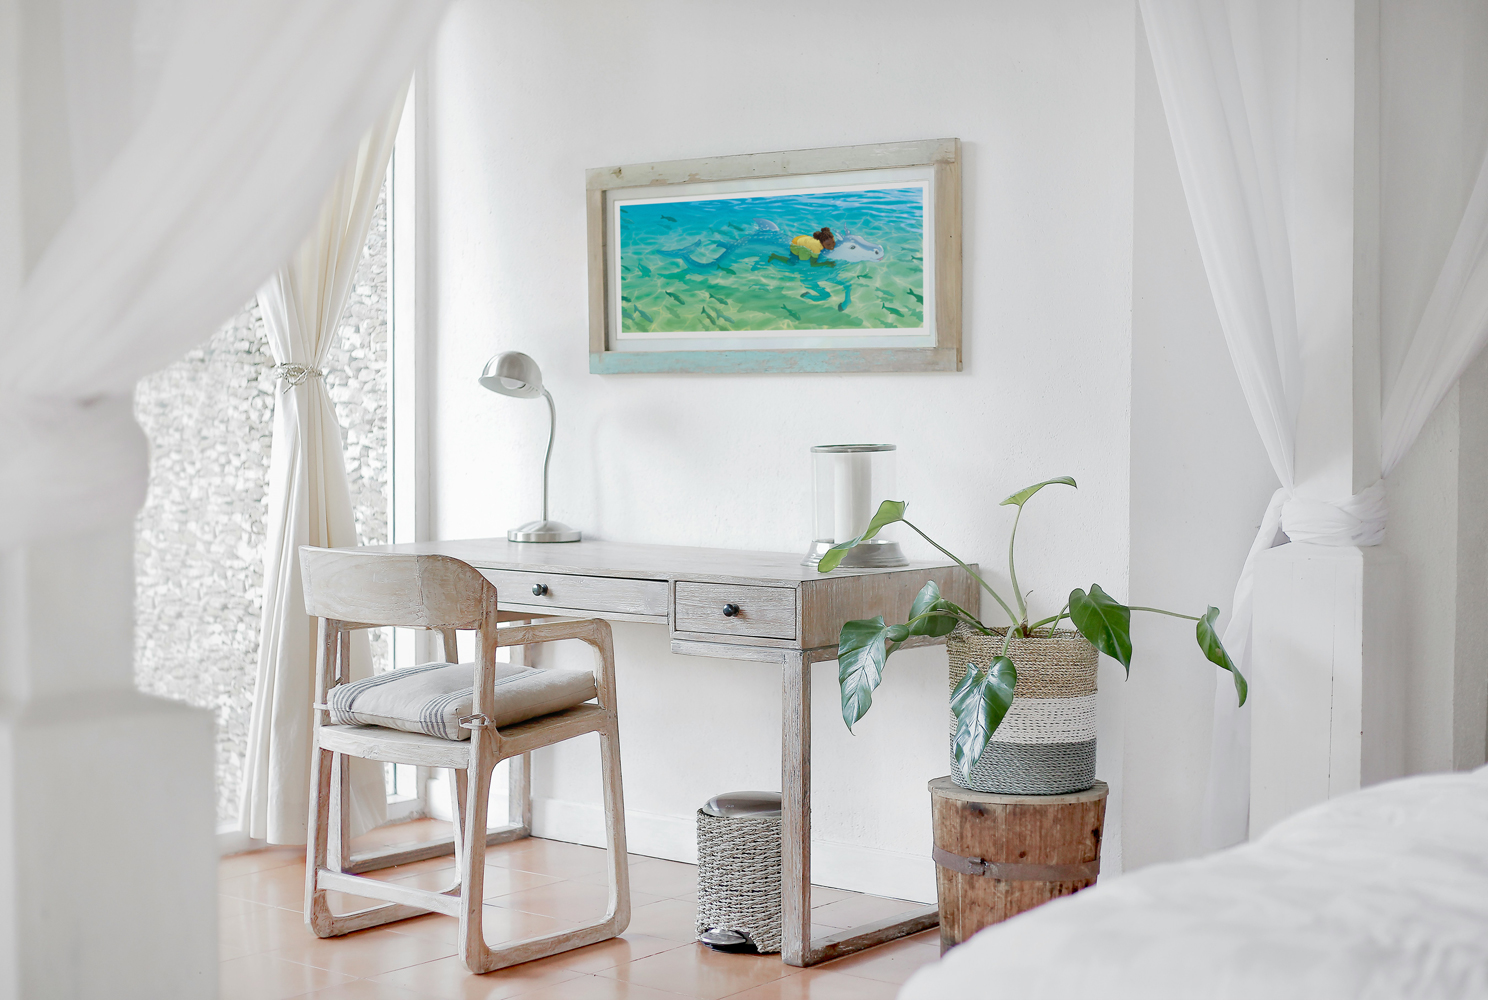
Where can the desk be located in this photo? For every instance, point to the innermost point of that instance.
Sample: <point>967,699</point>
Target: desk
<point>763,607</point>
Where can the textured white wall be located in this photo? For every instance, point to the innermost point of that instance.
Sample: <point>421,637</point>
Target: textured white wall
<point>526,95</point>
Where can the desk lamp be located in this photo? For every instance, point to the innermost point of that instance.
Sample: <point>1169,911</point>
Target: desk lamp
<point>515,374</point>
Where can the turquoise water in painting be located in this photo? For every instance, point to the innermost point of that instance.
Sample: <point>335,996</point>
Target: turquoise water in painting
<point>725,264</point>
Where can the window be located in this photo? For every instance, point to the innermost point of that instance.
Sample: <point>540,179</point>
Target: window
<point>200,536</point>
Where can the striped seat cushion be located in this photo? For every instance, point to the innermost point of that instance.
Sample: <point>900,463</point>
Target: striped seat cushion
<point>431,698</point>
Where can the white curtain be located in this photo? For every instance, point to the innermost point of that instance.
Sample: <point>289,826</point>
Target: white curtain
<point>309,504</point>
<point>1226,72</point>
<point>1452,330</point>
<point>1228,113</point>
<point>196,169</point>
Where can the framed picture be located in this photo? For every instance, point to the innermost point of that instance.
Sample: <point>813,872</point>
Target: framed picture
<point>815,260</point>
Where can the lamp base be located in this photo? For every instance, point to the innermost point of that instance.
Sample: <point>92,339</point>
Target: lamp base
<point>876,553</point>
<point>543,531</point>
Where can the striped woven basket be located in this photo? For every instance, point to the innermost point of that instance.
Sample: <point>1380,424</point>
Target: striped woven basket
<point>1046,743</point>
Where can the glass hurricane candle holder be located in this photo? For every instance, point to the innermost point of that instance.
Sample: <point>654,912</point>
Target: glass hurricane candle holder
<point>849,481</point>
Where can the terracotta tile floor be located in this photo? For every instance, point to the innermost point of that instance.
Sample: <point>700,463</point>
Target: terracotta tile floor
<point>532,887</point>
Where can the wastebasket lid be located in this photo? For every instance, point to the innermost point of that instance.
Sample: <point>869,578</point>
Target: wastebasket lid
<point>744,804</point>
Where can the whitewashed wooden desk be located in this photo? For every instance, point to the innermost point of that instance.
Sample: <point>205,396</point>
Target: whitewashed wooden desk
<point>759,606</point>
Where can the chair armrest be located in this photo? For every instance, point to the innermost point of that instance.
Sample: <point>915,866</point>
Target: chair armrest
<point>594,631</point>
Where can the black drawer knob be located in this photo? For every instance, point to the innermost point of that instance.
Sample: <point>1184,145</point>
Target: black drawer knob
<point>539,589</point>
<point>729,610</point>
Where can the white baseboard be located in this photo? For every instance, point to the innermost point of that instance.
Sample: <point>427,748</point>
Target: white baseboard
<point>853,867</point>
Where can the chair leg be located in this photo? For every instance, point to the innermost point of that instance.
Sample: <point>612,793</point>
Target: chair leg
<point>618,910</point>
<point>459,783</point>
<point>519,793</point>
<point>475,800</point>
<point>326,850</point>
<point>457,808</point>
<point>317,912</point>
<point>479,958</point>
<point>338,854</point>
<point>476,955</point>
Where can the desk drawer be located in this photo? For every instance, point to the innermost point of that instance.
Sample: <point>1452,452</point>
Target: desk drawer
<point>579,593</point>
<point>769,612</point>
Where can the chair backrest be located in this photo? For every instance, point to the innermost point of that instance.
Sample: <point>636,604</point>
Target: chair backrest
<point>385,588</point>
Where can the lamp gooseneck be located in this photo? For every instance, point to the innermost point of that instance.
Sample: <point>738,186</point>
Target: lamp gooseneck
<point>548,457</point>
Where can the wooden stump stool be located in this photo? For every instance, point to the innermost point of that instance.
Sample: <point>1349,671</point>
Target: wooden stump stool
<point>998,855</point>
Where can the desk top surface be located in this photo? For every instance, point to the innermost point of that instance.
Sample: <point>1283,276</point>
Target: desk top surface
<point>623,559</point>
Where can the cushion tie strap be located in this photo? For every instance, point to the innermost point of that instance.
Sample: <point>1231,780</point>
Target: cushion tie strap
<point>473,722</point>
<point>1009,871</point>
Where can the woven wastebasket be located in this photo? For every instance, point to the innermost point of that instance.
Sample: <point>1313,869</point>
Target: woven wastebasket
<point>1046,742</point>
<point>738,837</point>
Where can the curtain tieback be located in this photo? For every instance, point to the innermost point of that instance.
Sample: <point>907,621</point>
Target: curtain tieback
<point>1358,520</point>
<point>293,373</point>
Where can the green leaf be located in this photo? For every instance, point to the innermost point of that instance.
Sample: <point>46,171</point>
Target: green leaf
<point>861,652</point>
<point>1215,651</point>
<point>929,614</point>
<point>888,512</point>
<point>1021,497</point>
<point>929,594</point>
<point>980,702</point>
<point>1104,622</point>
<point>941,621</point>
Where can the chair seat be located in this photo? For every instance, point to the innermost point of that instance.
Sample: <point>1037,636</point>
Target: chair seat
<point>398,747</point>
<point>431,698</point>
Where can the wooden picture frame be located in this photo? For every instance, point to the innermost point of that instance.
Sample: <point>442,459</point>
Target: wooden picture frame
<point>881,296</point>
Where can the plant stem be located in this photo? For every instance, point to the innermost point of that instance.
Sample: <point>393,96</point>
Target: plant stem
<point>1012,571</point>
<point>1160,611</point>
<point>963,617</point>
<point>1054,619</point>
<point>995,595</point>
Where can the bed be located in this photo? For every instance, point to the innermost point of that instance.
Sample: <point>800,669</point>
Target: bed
<point>1381,893</point>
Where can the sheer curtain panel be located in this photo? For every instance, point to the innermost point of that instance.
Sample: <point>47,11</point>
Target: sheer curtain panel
<point>309,504</point>
<point>1226,70</point>
<point>163,158</point>
<point>1227,108</point>
<point>196,170</point>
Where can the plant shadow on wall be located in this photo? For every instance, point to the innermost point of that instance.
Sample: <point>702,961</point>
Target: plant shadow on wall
<point>1058,665</point>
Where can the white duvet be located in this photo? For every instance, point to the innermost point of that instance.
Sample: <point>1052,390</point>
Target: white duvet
<point>1382,893</point>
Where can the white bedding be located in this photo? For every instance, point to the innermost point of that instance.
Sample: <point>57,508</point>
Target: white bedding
<point>1382,893</point>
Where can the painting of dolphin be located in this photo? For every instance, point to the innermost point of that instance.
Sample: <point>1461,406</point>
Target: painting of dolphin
<point>773,260</point>
<point>768,245</point>
<point>768,238</point>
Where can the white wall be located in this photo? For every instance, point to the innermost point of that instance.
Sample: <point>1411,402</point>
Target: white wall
<point>526,95</point>
<point>1434,131</point>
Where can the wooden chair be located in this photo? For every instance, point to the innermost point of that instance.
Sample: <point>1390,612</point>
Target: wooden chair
<point>348,590</point>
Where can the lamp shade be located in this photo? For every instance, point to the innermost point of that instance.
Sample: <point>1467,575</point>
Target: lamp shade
<point>513,373</point>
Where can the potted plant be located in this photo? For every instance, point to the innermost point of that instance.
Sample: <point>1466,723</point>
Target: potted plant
<point>1041,675</point>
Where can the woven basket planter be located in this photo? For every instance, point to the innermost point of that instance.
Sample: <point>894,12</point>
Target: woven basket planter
<point>1046,743</point>
<point>739,877</point>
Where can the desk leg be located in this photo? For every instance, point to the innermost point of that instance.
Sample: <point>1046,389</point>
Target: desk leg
<point>797,947</point>
<point>795,812</point>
